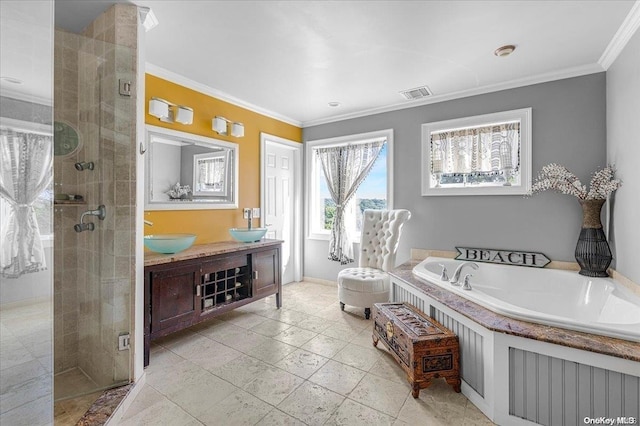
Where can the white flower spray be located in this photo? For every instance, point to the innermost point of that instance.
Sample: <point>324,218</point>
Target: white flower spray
<point>178,191</point>
<point>558,178</point>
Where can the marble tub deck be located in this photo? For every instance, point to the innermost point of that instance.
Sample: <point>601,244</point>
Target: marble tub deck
<point>490,320</point>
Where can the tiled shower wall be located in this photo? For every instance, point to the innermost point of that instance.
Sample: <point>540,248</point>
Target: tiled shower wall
<point>95,270</point>
<point>66,46</point>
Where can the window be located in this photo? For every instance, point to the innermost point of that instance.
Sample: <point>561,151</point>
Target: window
<point>373,193</point>
<point>482,155</point>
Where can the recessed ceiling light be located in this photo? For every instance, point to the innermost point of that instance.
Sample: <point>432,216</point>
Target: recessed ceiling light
<point>334,104</point>
<point>504,50</point>
<point>11,80</point>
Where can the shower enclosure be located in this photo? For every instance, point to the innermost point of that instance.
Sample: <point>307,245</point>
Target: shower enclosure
<point>94,203</point>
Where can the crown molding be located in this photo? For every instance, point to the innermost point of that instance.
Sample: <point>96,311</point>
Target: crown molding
<point>25,97</point>
<point>621,37</point>
<point>528,81</point>
<point>210,91</point>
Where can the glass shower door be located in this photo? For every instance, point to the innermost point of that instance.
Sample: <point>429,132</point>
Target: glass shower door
<point>94,185</point>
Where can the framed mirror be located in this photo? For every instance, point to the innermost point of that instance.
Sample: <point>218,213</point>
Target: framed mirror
<point>187,172</point>
<point>481,155</point>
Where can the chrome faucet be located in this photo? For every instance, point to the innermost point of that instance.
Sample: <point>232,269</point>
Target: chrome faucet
<point>467,284</point>
<point>456,275</point>
<point>443,275</point>
<point>249,219</point>
<point>100,213</point>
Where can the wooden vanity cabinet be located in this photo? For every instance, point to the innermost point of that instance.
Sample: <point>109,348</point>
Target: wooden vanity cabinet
<point>172,296</point>
<point>181,293</point>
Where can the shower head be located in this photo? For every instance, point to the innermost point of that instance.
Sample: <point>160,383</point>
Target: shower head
<point>82,166</point>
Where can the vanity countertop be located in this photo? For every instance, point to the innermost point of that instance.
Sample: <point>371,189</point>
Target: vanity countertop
<point>204,250</point>
<point>499,323</point>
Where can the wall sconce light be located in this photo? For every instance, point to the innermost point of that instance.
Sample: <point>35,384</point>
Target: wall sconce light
<point>169,113</point>
<point>159,108</point>
<point>237,130</point>
<point>183,114</point>
<point>220,124</point>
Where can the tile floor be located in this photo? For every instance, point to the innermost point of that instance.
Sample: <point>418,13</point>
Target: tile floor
<point>26,363</point>
<point>71,392</point>
<point>306,364</point>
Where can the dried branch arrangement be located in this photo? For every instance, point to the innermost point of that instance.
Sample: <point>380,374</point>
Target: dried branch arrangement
<point>558,178</point>
<point>178,191</point>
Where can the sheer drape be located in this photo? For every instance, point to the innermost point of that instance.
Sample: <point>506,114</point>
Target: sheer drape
<point>481,149</point>
<point>345,167</point>
<point>25,171</point>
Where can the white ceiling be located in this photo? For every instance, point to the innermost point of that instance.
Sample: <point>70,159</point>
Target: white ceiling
<point>290,58</point>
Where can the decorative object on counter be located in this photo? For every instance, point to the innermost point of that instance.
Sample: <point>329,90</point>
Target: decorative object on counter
<point>592,251</point>
<point>178,192</point>
<point>505,257</point>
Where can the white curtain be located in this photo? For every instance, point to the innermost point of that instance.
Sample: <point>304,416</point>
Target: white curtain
<point>25,171</point>
<point>480,149</point>
<point>345,167</point>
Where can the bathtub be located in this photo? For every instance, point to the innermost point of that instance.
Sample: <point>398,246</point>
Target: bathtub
<point>553,297</point>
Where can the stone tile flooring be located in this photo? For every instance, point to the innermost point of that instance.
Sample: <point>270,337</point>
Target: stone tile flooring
<point>26,363</point>
<point>308,363</point>
<point>71,391</point>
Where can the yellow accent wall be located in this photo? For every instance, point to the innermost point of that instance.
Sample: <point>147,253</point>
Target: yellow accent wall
<point>212,225</point>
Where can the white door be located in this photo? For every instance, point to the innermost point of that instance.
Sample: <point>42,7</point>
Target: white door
<point>281,178</point>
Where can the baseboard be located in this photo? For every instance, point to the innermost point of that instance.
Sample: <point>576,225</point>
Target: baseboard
<point>320,281</point>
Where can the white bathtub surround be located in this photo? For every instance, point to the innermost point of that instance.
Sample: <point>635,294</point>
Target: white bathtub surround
<point>421,254</point>
<point>559,298</point>
<point>518,372</point>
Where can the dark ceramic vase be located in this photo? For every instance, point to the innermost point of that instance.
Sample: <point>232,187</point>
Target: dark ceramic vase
<point>592,251</point>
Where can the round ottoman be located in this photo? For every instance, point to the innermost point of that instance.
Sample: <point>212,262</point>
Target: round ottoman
<point>363,287</point>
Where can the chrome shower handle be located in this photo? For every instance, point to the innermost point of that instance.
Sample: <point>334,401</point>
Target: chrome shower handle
<point>100,213</point>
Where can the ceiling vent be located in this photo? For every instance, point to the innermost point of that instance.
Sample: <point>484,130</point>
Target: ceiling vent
<point>417,93</point>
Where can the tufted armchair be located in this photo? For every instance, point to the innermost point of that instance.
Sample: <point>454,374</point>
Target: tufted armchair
<point>369,283</point>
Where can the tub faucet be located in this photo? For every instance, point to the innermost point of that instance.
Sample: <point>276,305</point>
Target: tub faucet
<point>443,275</point>
<point>455,280</point>
<point>467,284</point>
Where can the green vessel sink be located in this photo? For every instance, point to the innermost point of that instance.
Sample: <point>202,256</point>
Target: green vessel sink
<point>246,235</point>
<point>169,243</point>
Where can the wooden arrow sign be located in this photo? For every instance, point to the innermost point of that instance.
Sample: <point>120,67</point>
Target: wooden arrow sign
<point>505,257</point>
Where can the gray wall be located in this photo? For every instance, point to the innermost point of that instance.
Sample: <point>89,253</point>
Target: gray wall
<point>623,150</point>
<point>568,128</point>
<point>26,111</point>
